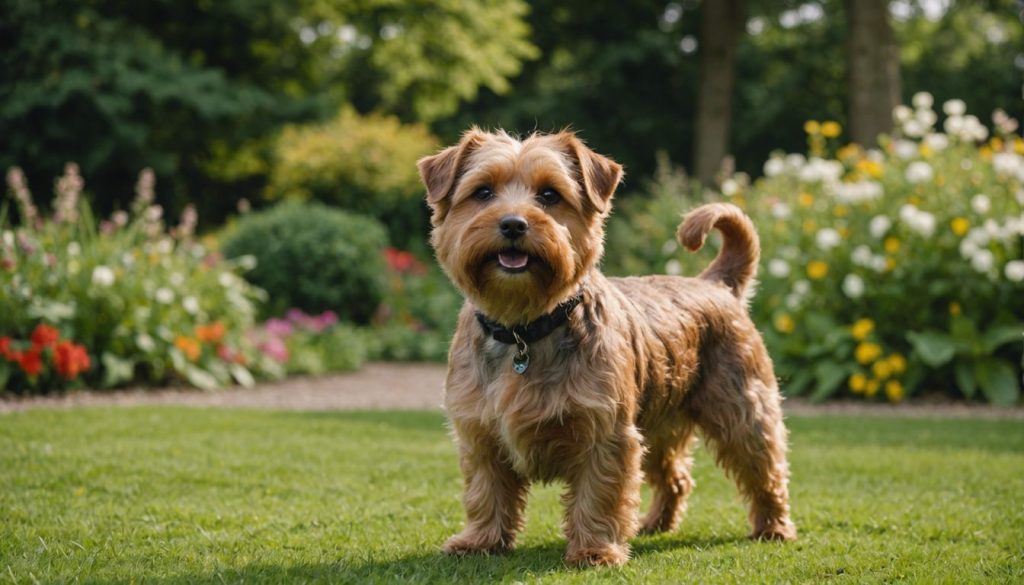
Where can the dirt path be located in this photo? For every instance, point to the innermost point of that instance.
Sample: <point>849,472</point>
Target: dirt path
<point>417,387</point>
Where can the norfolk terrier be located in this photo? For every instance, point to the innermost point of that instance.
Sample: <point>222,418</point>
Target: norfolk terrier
<point>559,372</point>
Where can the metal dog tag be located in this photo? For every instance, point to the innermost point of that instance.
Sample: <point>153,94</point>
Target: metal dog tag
<point>520,362</point>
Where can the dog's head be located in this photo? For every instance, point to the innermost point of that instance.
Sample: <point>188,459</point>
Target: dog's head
<point>518,223</point>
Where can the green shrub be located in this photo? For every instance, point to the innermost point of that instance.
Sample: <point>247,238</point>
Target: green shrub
<point>884,272</point>
<point>365,164</point>
<point>148,304</point>
<point>314,258</point>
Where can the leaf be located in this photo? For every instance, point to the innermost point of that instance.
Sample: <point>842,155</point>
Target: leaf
<point>934,348</point>
<point>964,374</point>
<point>998,382</point>
<point>798,382</point>
<point>998,336</point>
<point>829,375</point>
<point>116,370</point>
<point>242,375</point>
<point>200,378</point>
<point>5,375</point>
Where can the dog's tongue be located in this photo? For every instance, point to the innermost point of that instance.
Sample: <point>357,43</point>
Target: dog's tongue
<point>513,259</point>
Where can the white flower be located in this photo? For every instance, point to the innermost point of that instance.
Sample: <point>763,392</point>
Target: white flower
<point>795,161</point>
<point>914,129</point>
<point>980,203</point>
<point>926,118</point>
<point>781,211</point>
<point>667,249</point>
<point>164,246</point>
<point>861,255</point>
<point>673,267</point>
<point>102,276</point>
<point>164,295</point>
<point>879,263</point>
<point>982,260</point>
<point>1014,270</point>
<point>954,108</point>
<point>190,304</point>
<point>127,259</point>
<point>177,278</point>
<point>226,279</point>
<point>247,262</point>
<point>730,187</point>
<point>778,268</point>
<point>74,267</point>
<point>74,249</point>
<point>1020,196</point>
<point>905,149</point>
<point>858,192</point>
<point>9,238</point>
<point>793,301</point>
<point>937,141</point>
<point>774,167</point>
<point>821,170</point>
<point>879,226</point>
<point>921,222</point>
<point>919,172</point>
<point>801,287</point>
<point>827,238</point>
<point>902,113</point>
<point>144,342</point>
<point>873,154</point>
<point>968,248</point>
<point>922,99</point>
<point>853,286</point>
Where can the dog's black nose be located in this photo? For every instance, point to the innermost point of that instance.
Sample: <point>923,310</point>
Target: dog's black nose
<point>513,226</point>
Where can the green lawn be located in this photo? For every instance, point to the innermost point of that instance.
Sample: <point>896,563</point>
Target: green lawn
<point>183,496</point>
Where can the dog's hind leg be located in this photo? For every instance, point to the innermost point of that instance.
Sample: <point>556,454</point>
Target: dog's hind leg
<point>742,422</point>
<point>667,470</point>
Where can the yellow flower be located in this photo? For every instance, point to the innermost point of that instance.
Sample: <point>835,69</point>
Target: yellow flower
<point>890,263</point>
<point>858,382</point>
<point>985,152</point>
<point>810,226</point>
<point>897,363</point>
<point>940,180</point>
<point>812,127</point>
<point>894,390</point>
<point>816,269</point>
<point>892,245</point>
<point>867,352</point>
<point>862,328</point>
<point>840,211</point>
<point>960,225</point>
<point>1018,145</point>
<point>844,232</point>
<point>997,144</point>
<point>914,200</point>
<point>830,129</point>
<point>870,167</point>
<point>871,388</point>
<point>784,323</point>
<point>806,199</point>
<point>925,151</point>
<point>882,369</point>
<point>954,309</point>
<point>848,151</point>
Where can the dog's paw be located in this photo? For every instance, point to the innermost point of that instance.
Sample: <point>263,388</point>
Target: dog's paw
<point>610,555</point>
<point>467,543</point>
<point>779,531</point>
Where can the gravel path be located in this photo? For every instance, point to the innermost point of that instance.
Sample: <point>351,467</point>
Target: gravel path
<point>413,387</point>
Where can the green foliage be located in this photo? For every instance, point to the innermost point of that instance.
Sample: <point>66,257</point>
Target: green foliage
<point>149,305</point>
<point>365,164</point>
<point>886,272</point>
<point>314,258</point>
<point>369,497</point>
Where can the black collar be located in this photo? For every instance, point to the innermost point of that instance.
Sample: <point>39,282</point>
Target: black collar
<point>533,331</point>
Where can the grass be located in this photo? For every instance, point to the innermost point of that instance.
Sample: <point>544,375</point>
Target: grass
<point>177,495</point>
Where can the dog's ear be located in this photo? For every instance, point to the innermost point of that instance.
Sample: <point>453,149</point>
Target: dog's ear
<point>599,175</point>
<point>440,171</point>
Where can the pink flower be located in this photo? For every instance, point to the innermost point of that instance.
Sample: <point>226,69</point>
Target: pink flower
<point>275,349</point>
<point>278,327</point>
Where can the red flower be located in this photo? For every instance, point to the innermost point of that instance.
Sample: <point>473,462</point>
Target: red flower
<point>402,262</point>
<point>31,361</point>
<point>44,336</point>
<point>5,349</point>
<point>70,360</point>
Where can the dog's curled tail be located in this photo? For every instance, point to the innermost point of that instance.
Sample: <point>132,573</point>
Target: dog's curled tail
<point>736,263</point>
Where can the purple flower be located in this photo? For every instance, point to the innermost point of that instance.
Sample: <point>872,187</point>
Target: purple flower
<point>278,328</point>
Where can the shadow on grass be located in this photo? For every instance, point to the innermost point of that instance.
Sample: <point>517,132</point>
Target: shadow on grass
<point>526,562</point>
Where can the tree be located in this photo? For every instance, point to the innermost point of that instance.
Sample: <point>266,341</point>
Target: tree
<point>721,24</point>
<point>873,69</point>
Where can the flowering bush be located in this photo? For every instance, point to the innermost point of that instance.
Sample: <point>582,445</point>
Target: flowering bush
<point>142,303</point>
<point>311,344</point>
<point>43,360</point>
<point>892,270</point>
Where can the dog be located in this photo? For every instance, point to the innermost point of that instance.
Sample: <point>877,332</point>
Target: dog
<point>557,372</point>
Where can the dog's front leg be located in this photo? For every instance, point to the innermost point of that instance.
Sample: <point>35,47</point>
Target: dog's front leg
<point>603,501</point>
<point>494,495</point>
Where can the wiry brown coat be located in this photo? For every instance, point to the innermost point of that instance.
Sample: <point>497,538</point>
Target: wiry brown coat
<point>615,395</point>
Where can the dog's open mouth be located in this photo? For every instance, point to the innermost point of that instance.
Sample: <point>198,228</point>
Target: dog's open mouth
<point>513,260</point>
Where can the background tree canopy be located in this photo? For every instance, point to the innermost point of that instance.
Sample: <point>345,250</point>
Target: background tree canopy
<point>200,90</point>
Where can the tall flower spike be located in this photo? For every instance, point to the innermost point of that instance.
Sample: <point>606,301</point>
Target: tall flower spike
<point>69,188</point>
<point>16,182</point>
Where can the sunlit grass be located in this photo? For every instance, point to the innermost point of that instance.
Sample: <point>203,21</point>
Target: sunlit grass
<point>185,495</point>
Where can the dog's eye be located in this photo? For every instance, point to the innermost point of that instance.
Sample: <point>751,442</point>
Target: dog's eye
<point>549,196</point>
<point>483,194</point>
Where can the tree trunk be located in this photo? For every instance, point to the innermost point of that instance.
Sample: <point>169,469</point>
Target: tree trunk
<point>873,70</point>
<point>720,26</point>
